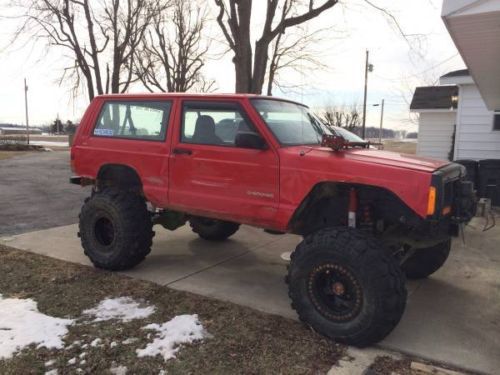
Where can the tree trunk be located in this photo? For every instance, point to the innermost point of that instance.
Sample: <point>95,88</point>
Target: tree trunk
<point>260,66</point>
<point>243,52</point>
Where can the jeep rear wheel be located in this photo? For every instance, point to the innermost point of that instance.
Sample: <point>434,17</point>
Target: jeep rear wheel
<point>115,229</point>
<point>424,262</point>
<point>213,230</point>
<point>346,286</point>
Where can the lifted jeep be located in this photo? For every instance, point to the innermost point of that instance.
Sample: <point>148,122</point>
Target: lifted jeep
<point>367,217</point>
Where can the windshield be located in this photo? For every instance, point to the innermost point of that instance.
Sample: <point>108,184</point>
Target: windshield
<point>347,135</point>
<point>293,124</point>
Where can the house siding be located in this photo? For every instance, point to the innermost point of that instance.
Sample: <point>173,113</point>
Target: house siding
<point>435,133</point>
<point>475,138</point>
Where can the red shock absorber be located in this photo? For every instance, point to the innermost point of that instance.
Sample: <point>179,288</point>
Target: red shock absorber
<point>353,207</point>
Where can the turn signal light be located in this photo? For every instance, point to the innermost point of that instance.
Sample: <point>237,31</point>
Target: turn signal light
<point>446,210</point>
<point>431,204</point>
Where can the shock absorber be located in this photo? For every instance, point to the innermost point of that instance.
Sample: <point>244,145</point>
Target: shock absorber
<point>353,207</point>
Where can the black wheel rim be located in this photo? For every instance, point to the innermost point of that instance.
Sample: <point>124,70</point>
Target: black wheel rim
<point>335,292</point>
<point>104,231</point>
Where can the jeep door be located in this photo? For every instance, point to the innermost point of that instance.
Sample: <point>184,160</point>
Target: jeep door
<point>210,175</point>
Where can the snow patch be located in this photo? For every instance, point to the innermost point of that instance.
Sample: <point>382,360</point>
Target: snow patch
<point>119,370</point>
<point>183,329</point>
<point>21,324</point>
<point>51,372</point>
<point>121,308</point>
<point>95,343</point>
<point>130,341</point>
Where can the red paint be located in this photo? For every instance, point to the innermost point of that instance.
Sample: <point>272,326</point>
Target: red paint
<point>258,187</point>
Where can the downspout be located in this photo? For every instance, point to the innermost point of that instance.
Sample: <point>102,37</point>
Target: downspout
<point>458,122</point>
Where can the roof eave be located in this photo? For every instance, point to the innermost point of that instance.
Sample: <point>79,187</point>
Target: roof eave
<point>433,110</point>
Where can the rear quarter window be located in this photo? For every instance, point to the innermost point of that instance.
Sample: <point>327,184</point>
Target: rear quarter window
<point>142,120</point>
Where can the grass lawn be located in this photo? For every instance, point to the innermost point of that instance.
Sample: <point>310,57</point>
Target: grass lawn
<point>242,340</point>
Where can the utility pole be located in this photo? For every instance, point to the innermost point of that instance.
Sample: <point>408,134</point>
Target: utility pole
<point>368,68</point>
<point>26,112</point>
<point>381,121</point>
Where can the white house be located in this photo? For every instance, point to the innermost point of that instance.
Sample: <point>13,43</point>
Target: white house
<point>467,123</point>
<point>454,121</point>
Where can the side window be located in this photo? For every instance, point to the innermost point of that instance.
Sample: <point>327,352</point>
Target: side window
<point>496,120</point>
<point>213,123</point>
<point>135,120</point>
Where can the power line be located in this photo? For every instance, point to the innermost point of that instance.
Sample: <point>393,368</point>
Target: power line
<point>420,73</point>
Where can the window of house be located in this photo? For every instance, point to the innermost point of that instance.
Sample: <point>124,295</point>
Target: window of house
<point>136,120</point>
<point>213,123</point>
<point>496,120</point>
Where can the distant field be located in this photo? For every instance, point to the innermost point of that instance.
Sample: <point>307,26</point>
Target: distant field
<point>405,147</point>
<point>52,138</point>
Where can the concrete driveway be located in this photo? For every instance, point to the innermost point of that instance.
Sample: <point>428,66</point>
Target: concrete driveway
<point>35,192</point>
<point>452,317</point>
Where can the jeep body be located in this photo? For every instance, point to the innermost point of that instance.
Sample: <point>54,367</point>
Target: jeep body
<point>261,161</point>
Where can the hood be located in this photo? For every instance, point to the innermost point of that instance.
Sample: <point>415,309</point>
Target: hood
<point>393,159</point>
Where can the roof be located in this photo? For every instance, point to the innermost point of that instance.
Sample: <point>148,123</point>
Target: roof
<point>457,73</point>
<point>195,96</point>
<point>434,97</point>
<point>474,27</point>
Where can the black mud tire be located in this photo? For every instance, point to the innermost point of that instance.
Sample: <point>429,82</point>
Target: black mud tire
<point>115,229</point>
<point>424,262</point>
<point>374,290</point>
<point>213,230</point>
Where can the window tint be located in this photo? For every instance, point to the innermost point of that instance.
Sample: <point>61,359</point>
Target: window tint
<point>137,120</point>
<point>496,121</point>
<point>213,124</point>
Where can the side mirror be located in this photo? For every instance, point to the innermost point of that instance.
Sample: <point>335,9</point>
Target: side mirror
<point>335,142</point>
<point>250,140</point>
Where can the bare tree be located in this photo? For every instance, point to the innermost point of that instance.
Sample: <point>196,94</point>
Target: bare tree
<point>102,38</point>
<point>234,20</point>
<point>293,52</point>
<point>345,116</point>
<point>174,50</point>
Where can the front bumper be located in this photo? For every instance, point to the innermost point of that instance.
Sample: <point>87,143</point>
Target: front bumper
<point>456,200</point>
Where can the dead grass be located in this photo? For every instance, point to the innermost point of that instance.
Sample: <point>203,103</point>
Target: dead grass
<point>10,154</point>
<point>244,340</point>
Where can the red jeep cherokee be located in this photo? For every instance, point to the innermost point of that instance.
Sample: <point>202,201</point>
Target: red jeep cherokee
<point>368,217</point>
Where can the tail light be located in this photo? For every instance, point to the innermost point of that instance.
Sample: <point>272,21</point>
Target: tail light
<point>431,203</point>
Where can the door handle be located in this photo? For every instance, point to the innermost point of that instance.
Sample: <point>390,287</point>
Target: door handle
<point>182,151</point>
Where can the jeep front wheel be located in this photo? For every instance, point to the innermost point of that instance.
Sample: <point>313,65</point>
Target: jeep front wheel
<point>213,230</point>
<point>115,229</point>
<point>345,285</point>
<point>424,262</point>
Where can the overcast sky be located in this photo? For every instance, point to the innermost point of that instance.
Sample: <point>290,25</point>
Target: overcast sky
<point>354,28</point>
